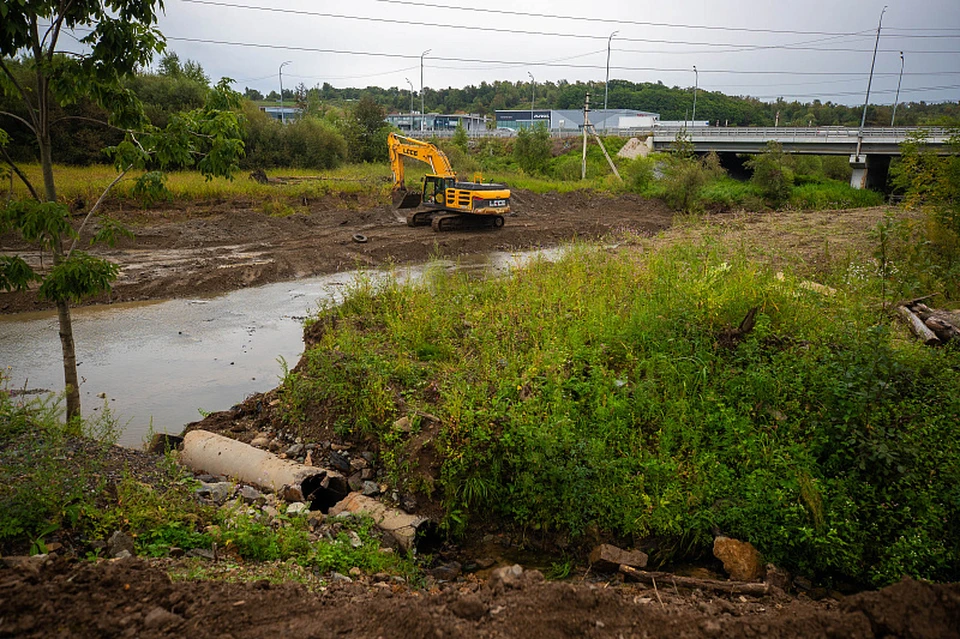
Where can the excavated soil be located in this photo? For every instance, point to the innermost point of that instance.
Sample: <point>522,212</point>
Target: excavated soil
<point>130,598</point>
<point>204,249</point>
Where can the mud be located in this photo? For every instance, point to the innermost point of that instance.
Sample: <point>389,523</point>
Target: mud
<point>204,249</point>
<point>130,598</point>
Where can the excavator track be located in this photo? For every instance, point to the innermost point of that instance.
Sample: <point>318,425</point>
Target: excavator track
<point>420,218</point>
<point>460,221</point>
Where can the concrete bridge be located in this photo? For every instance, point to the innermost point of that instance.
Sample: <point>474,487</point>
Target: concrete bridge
<point>870,160</point>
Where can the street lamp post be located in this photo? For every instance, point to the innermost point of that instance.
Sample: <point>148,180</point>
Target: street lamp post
<point>866,101</point>
<point>696,84</point>
<point>280,73</point>
<point>607,81</point>
<point>533,95</point>
<point>411,103</point>
<point>896,100</point>
<point>421,88</point>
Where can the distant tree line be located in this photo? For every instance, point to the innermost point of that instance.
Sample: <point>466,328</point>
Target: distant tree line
<point>346,125</point>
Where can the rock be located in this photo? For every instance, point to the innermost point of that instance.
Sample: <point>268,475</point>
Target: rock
<point>203,553</point>
<point>355,540</point>
<point>118,543</point>
<point>217,491</point>
<point>355,572</point>
<point>370,489</point>
<point>260,441</point>
<point>339,462</point>
<point>359,463</point>
<point>777,577</point>
<point>446,572</point>
<point>355,483</point>
<point>403,425</point>
<point>381,577</point>
<point>315,519</point>
<point>250,495</point>
<point>367,473</point>
<point>507,576</point>
<point>469,607</point>
<point>633,149</point>
<point>270,511</point>
<point>158,618</point>
<point>123,554</point>
<point>608,558</point>
<point>336,576</point>
<point>740,559</point>
<point>294,450</point>
<point>408,503</point>
<point>367,455</point>
<point>297,508</point>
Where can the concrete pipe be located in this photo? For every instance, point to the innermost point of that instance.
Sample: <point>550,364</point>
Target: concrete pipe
<point>208,452</point>
<point>411,532</point>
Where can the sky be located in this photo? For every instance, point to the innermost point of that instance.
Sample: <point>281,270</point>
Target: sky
<point>813,49</point>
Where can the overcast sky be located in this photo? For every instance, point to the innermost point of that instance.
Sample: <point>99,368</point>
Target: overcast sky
<point>801,50</point>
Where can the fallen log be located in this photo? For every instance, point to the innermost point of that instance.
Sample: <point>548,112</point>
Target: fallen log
<point>942,329</point>
<point>715,585</point>
<point>917,327</point>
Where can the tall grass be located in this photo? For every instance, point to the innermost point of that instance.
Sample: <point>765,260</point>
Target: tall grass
<point>611,392</point>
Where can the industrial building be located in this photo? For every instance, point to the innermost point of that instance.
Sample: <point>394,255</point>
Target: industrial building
<point>572,119</point>
<point>437,121</point>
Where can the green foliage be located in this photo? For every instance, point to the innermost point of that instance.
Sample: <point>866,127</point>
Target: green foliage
<point>309,142</point>
<point>78,277</point>
<point>771,174</point>
<point>531,149</point>
<point>460,138</point>
<point>605,392</point>
<point>366,132</point>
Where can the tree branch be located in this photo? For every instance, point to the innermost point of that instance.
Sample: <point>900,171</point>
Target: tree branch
<point>20,174</point>
<point>96,206</point>
<point>17,117</point>
<point>23,94</point>
<point>86,119</point>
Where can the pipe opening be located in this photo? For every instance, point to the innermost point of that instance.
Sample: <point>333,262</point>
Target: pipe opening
<point>323,491</point>
<point>428,539</point>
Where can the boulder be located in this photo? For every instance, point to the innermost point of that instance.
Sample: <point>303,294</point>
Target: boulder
<point>609,558</point>
<point>740,559</point>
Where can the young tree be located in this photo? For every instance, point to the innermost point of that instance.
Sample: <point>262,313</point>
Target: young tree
<point>772,174</point>
<point>532,149</point>
<point>121,37</point>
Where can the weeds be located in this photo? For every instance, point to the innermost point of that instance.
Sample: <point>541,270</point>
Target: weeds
<point>607,392</point>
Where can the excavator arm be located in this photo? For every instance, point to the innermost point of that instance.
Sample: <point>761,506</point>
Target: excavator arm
<point>403,147</point>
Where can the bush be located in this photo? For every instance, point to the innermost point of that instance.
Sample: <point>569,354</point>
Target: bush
<point>307,143</point>
<point>772,174</point>
<point>531,149</point>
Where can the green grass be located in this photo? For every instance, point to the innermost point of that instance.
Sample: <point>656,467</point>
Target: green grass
<point>597,393</point>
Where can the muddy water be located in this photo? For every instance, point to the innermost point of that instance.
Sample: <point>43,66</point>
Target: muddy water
<point>158,366</point>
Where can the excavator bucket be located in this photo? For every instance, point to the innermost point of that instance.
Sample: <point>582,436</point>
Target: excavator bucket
<point>404,199</point>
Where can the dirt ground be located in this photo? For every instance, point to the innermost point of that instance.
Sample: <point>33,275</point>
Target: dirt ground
<point>131,598</point>
<point>216,247</point>
<point>210,248</point>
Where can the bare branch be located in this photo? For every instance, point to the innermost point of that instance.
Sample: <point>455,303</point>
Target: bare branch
<point>17,117</point>
<point>96,206</point>
<point>20,174</point>
<point>23,94</point>
<point>86,119</point>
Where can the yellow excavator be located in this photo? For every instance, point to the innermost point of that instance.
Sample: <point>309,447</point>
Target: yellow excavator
<point>443,201</point>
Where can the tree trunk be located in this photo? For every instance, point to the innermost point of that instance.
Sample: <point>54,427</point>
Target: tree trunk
<point>70,378</point>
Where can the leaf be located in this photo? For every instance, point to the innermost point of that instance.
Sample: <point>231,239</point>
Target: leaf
<point>110,232</point>
<point>16,274</point>
<point>78,277</point>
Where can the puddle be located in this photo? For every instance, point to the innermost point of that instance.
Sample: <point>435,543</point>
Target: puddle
<point>160,365</point>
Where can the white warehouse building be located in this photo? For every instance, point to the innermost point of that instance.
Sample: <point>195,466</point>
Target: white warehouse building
<point>572,119</point>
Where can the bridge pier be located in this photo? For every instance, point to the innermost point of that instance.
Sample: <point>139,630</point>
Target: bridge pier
<point>869,171</point>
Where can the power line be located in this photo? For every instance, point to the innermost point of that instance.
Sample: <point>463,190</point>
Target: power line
<point>618,21</point>
<point>528,63</point>
<point>525,32</point>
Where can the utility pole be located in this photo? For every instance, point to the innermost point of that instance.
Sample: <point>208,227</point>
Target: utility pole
<point>533,95</point>
<point>411,103</point>
<point>421,88</point>
<point>866,101</point>
<point>283,120</point>
<point>897,99</point>
<point>586,126</point>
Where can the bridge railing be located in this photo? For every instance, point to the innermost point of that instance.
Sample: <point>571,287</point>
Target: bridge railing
<point>933,134</point>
